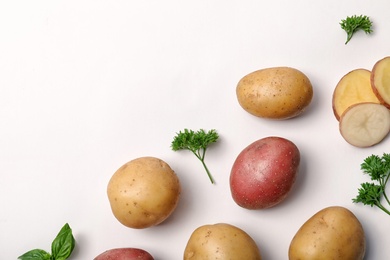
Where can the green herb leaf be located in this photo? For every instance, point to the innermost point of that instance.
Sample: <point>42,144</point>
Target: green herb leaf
<point>196,142</point>
<point>354,23</point>
<point>35,254</point>
<point>369,194</point>
<point>372,194</point>
<point>63,245</point>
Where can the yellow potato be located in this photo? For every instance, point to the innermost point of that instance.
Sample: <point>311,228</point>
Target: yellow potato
<point>353,88</point>
<point>332,233</point>
<point>143,192</point>
<point>275,93</point>
<point>221,242</point>
<point>380,80</point>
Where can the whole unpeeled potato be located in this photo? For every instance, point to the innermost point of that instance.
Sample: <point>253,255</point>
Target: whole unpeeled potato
<point>221,241</point>
<point>275,93</point>
<point>264,173</point>
<point>143,192</point>
<point>125,254</point>
<point>332,233</point>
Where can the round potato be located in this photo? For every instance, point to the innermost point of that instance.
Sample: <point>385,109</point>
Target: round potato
<point>143,192</point>
<point>275,93</point>
<point>264,173</point>
<point>220,242</point>
<point>332,233</point>
<point>353,88</point>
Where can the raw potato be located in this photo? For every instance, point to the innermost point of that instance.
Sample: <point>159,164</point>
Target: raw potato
<point>264,172</point>
<point>143,192</point>
<point>275,93</point>
<point>365,124</point>
<point>332,233</point>
<point>353,88</point>
<point>125,254</point>
<point>221,242</point>
<point>380,80</point>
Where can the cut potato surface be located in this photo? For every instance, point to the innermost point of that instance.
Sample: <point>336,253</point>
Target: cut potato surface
<point>353,88</point>
<point>365,124</point>
<point>380,80</point>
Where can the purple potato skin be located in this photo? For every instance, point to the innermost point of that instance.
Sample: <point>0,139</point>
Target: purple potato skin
<point>125,254</point>
<point>264,173</point>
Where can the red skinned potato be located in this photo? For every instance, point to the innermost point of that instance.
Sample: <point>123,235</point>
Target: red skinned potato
<point>125,254</point>
<point>264,173</point>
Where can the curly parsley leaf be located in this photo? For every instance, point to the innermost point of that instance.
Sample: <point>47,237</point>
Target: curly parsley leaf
<point>351,24</point>
<point>196,142</point>
<point>372,193</point>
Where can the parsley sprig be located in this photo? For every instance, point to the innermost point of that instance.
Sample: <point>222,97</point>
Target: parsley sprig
<point>196,142</point>
<point>351,24</point>
<point>373,193</point>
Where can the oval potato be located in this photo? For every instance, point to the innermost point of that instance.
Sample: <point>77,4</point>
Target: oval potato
<point>332,233</point>
<point>143,192</point>
<point>221,241</point>
<point>275,93</point>
<point>264,172</point>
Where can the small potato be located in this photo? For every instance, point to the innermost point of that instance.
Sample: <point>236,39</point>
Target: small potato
<point>332,233</point>
<point>264,173</point>
<point>143,192</point>
<point>221,242</point>
<point>125,254</point>
<point>275,93</point>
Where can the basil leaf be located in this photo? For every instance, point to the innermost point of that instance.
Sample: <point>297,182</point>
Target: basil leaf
<point>63,244</point>
<point>35,254</point>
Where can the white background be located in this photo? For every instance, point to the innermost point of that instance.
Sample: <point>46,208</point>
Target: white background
<point>86,86</point>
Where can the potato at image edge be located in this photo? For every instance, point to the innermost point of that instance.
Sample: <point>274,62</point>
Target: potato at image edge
<point>380,80</point>
<point>275,93</point>
<point>332,233</point>
<point>143,192</point>
<point>124,254</point>
<point>221,241</point>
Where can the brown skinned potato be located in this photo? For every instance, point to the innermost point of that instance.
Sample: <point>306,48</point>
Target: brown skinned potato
<point>221,241</point>
<point>275,93</point>
<point>332,233</point>
<point>143,192</point>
